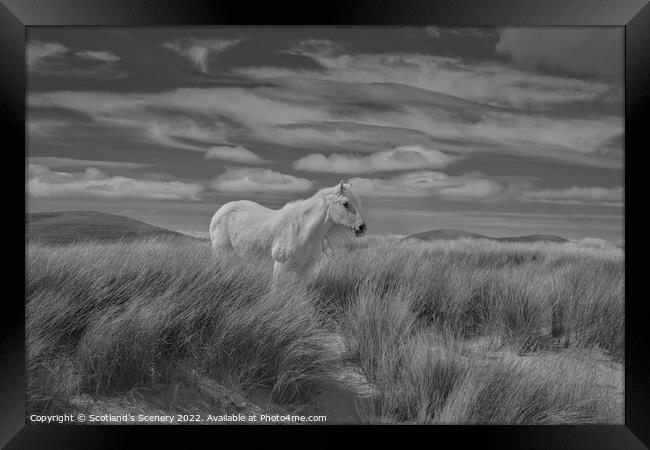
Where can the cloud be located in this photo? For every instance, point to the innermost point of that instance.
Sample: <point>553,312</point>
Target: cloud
<point>476,32</point>
<point>492,83</point>
<point>199,50</point>
<point>54,162</point>
<point>212,115</point>
<point>46,128</point>
<point>475,186</point>
<point>141,123</point>
<point>105,56</point>
<point>316,46</point>
<point>259,180</point>
<point>173,132</point>
<point>348,136</point>
<point>579,51</point>
<point>301,111</point>
<point>432,31</point>
<point>44,182</point>
<point>429,184</point>
<point>578,196</point>
<point>315,115</point>
<point>38,52</point>
<point>235,154</point>
<point>53,58</point>
<point>401,158</point>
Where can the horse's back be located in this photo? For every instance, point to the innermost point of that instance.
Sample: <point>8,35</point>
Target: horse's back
<point>241,224</point>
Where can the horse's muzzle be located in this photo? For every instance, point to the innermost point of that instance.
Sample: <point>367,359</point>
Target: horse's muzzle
<point>360,230</point>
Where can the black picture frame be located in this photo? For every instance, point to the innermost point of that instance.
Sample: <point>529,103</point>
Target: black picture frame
<point>633,15</point>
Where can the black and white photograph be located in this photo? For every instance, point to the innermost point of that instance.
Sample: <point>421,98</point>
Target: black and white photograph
<point>248,225</point>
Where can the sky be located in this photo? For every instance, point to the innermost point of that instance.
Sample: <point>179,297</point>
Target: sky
<point>499,131</point>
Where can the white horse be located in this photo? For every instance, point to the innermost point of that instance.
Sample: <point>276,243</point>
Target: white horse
<point>296,235</point>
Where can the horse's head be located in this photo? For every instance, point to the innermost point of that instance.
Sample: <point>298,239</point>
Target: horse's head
<point>345,209</point>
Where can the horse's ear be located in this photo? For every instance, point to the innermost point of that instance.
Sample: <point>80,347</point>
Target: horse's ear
<point>341,186</point>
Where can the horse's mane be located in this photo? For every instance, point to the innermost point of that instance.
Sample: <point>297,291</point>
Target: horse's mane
<point>327,194</point>
<point>337,235</point>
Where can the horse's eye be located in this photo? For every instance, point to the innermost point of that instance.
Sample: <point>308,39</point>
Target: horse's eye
<point>346,204</point>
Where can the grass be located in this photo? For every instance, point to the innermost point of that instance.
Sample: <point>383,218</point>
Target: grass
<point>462,331</point>
<point>104,318</point>
<point>427,374</point>
<point>472,288</point>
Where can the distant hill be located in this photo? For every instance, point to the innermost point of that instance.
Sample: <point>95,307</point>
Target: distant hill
<point>534,238</point>
<point>69,226</point>
<point>446,235</point>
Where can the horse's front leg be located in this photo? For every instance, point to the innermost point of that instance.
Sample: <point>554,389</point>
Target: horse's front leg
<point>287,271</point>
<point>282,273</point>
<point>278,270</point>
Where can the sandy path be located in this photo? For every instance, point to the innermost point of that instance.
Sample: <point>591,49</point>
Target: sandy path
<point>344,393</point>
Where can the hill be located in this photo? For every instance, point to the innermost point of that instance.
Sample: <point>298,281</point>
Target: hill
<point>63,227</point>
<point>446,235</point>
<point>534,238</point>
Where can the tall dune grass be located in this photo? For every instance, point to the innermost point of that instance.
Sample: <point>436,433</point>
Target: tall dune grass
<point>445,332</point>
<point>472,287</point>
<point>107,317</point>
<point>428,375</point>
